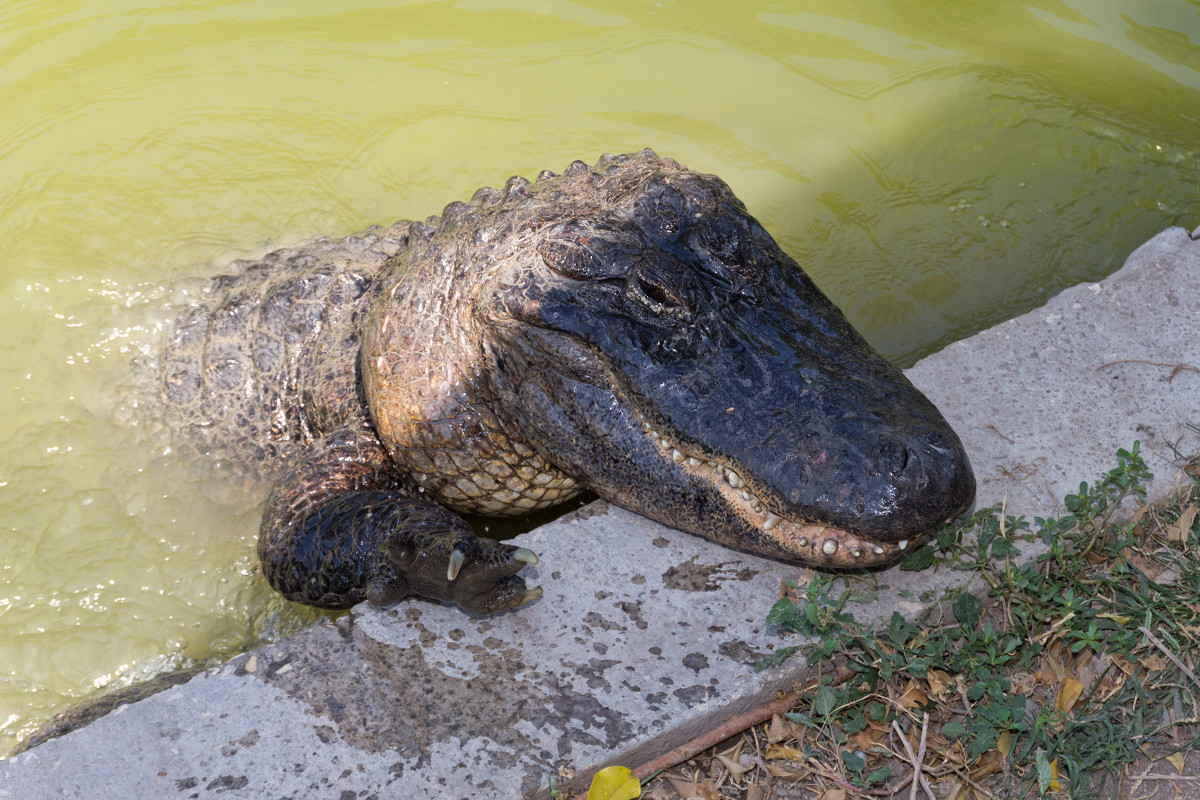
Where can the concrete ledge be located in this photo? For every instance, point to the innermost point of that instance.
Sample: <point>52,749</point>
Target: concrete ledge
<point>645,635</point>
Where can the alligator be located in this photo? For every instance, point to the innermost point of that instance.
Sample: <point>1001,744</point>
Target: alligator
<point>626,328</point>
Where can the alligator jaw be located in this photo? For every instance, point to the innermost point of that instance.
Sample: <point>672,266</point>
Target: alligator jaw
<point>809,543</point>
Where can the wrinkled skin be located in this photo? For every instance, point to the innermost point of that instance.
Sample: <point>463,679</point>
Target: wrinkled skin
<point>627,328</point>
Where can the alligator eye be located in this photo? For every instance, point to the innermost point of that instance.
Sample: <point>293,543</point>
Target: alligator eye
<point>654,292</point>
<point>658,297</point>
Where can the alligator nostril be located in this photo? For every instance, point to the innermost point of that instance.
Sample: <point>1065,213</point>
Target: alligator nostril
<point>891,457</point>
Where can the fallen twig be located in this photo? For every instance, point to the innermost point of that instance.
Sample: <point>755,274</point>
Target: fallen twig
<point>1175,368</point>
<point>918,771</point>
<point>1154,640</point>
<point>733,725</point>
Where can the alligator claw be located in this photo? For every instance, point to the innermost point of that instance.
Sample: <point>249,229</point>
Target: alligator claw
<point>525,557</point>
<point>456,561</point>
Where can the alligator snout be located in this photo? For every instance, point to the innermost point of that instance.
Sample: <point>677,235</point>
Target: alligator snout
<point>923,479</point>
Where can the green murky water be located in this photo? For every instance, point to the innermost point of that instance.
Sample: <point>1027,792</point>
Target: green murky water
<point>938,167</point>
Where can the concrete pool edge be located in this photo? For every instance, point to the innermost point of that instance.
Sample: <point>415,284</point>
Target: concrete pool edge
<point>644,636</point>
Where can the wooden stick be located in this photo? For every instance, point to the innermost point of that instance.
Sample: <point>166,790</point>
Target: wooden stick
<point>731,726</point>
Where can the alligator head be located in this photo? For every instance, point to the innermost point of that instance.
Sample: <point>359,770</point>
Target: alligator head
<point>648,338</point>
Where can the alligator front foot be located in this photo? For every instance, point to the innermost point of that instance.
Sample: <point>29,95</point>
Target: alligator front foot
<point>339,528</point>
<point>454,566</point>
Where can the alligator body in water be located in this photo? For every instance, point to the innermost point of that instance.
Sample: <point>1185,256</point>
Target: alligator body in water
<point>627,327</point>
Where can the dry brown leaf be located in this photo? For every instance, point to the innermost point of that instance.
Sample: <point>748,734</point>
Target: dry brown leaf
<point>778,730</point>
<point>1142,563</point>
<point>783,752</point>
<point>1090,672</point>
<point>863,739</point>
<point>1123,664</point>
<point>1155,663</point>
<point>755,792</point>
<point>660,792</point>
<point>688,789</point>
<point>683,787</point>
<point>1178,532</point>
<point>1025,683</point>
<point>1052,670</point>
<point>1004,743</point>
<point>784,772</point>
<point>955,753</point>
<point>836,793</point>
<point>913,697</point>
<point>989,764</point>
<point>1177,761</point>
<point>735,767</point>
<point>1068,694</point>
<point>940,683</point>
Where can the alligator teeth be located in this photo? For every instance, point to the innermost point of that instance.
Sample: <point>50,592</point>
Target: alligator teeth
<point>903,543</point>
<point>770,522</point>
<point>647,426</point>
<point>665,445</point>
<point>757,506</point>
<point>676,456</point>
<point>803,541</point>
<point>856,552</point>
<point>829,547</point>
<point>878,550</point>
<point>746,495</point>
<point>525,556</point>
<point>456,561</point>
<point>734,479</point>
<point>693,462</point>
<point>531,595</point>
<point>712,464</point>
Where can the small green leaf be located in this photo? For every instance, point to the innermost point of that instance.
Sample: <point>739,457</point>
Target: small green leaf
<point>855,721</point>
<point>1045,774</point>
<point>953,730</point>
<point>967,608</point>
<point>784,614</point>
<point>824,701</point>
<point>775,659</point>
<point>919,559</point>
<point>985,739</point>
<point>879,775</point>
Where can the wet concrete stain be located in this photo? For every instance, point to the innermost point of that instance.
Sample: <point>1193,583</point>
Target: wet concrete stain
<point>739,651</point>
<point>227,783</point>
<point>381,698</point>
<point>692,577</point>
<point>634,610</point>
<point>598,621</point>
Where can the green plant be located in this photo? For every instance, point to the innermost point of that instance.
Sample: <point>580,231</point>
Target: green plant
<point>1091,594</point>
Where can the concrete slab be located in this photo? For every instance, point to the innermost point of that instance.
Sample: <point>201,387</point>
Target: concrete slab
<point>1043,401</point>
<point>644,636</point>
